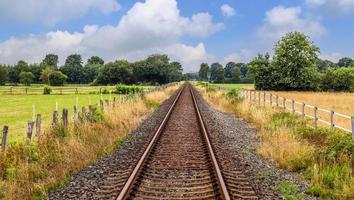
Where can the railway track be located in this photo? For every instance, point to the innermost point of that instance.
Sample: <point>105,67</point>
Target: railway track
<point>179,162</point>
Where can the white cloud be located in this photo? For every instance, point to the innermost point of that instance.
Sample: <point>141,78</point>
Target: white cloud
<point>334,57</point>
<point>227,10</point>
<point>244,55</point>
<point>51,12</point>
<point>281,20</point>
<point>332,6</point>
<point>142,31</point>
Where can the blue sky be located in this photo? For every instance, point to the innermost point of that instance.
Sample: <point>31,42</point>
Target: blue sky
<point>188,31</point>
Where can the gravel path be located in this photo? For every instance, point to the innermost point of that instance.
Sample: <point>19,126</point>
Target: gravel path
<point>86,184</point>
<point>239,146</point>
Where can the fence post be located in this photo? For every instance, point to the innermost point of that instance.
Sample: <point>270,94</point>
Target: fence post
<point>352,127</point>
<point>114,102</point>
<point>76,91</point>
<point>264,98</point>
<point>332,118</point>
<point>83,117</point>
<point>30,126</point>
<point>26,90</point>
<point>315,115</point>
<point>38,125</point>
<point>4,138</point>
<point>10,90</point>
<point>284,103</point>
<point>65,117</point>
<point>106,105</point>
<point>259,98</point>
<point>303,110</point>
<point>55,118</point>
<point>270,99</point>
<point>101,105</point>
<point>276,100</point>
<point>293,106</point>
<point>76,116</point>
<point>90,113</point>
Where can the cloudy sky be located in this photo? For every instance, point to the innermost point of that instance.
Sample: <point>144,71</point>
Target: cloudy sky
<point>189,31</point>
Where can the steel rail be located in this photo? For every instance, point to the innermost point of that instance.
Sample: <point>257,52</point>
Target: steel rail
<point>134,175</point>
<point>221,183</point>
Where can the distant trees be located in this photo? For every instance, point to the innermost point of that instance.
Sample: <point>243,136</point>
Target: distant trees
<point>203,72</point>
<point>26,78</point>
<point>73,69</point>
<point>50,60</point>
<point>345,62</point>
<point>3,74</point>
<point>338,79</point>
<point>57,78</point>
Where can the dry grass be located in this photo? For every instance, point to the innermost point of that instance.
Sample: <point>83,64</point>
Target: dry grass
<point>31,170</point>
<point>337,101</point>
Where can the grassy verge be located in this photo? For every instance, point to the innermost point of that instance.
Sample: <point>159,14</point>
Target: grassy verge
<point>30,171</point>
<point>323,156</point>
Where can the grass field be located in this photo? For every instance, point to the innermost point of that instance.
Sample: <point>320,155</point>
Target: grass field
<point>17,109</point>
<point>233,86</point>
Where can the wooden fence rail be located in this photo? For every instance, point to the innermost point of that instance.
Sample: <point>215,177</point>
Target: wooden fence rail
<point>267,98</point>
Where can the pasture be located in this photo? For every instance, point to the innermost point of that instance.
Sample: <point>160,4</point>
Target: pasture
<point>233,86</point>
<point>17,109</point>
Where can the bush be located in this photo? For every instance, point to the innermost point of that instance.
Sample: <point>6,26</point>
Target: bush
<point>57,78</point>
<point>125,89</point>
<point>341,79</point>
<point>47,90</point>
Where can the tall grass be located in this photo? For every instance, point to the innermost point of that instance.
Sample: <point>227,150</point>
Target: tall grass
<point>30,171</point>
<point>324,156</point>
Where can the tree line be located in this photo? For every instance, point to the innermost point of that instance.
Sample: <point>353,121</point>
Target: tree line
<point>231,73</point>
<point>155,69</point>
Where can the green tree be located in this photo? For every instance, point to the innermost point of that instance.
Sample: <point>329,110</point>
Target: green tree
<point>219,74</point>
<point>203,72</point>
<point>228,69</point>
<point>265,75</point>
<point>91,72</point>
<point>3,74</point>
<point>295,61</point>
<point>115,72</point>
<point>213,69</point>
<point>345,62</point>
<point>243,69</point>
<point>14,72</point>
<point>57,78</point>
<point>95,60</point>
<point>73,69</point>
<point>26,78</point>
<point>340,79</point>
<point>235,75</point>
<point>51,60</point>
<point>323,65</point>
<point>45,75</point>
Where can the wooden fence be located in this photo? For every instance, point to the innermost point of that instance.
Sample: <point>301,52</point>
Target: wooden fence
<point>318,115</point>
<point>55,90</point>
<point>86,116</point>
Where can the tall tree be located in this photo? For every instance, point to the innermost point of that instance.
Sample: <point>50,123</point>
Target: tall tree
<point>95,60</point>
<point>14,72</point>
<point>219,74</point>
<point>235,75</point>
<point>45,74</point>
<point>213,69</point>
<point>295,59</point>
<point>73,69</point>
<point>203,72</point>
<point>228,69</point>
<point>265,75</point>
<point>115,72</point>
<point>51,60</point>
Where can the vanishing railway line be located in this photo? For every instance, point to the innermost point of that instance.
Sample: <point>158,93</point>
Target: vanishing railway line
<point>179,162</point>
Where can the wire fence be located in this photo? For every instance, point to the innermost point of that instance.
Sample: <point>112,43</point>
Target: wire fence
<point>319,116</point>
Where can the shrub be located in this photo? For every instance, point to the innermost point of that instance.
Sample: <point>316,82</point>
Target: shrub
<point>341,79</point>
<point>47,90</point>
<point>26,78</point>
<point>125,89</point>
<point>57,78</point>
